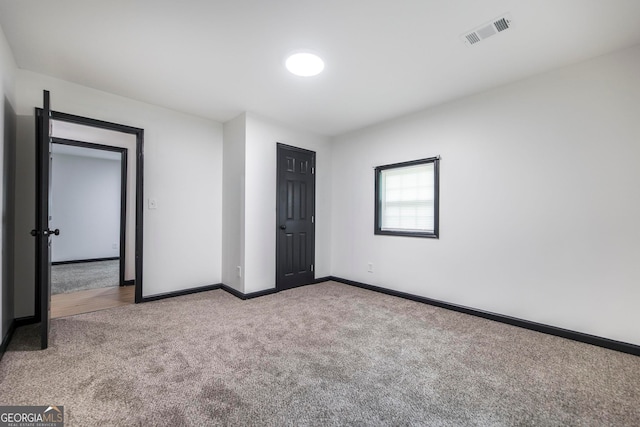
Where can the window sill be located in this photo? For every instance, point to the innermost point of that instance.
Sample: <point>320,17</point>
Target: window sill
<point>406,234</point>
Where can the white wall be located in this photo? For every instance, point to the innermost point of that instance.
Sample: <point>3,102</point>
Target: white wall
<point>539,200</point>
<point>182,171</point>
<point>262,136</point>
<point>233,203</point>
<point>7,133</point>
<point>85,207</point>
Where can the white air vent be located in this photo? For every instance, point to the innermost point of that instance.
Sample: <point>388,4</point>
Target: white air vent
<point>487,30</point>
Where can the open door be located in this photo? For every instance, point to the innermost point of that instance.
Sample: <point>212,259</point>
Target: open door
<point>42,233</point>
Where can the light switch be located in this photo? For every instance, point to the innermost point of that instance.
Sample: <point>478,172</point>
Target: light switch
<point>153,204</point>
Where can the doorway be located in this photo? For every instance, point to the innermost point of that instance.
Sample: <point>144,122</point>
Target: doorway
<point>295,216</point>
<point>43,233</point>
<point>88,201</point>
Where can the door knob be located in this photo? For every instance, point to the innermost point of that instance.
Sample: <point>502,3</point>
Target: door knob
<point>283,227</point>
<point>49,232</point>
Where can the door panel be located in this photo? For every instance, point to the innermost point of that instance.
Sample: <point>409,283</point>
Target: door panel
<point>295,223</point>
<point>42,232</point>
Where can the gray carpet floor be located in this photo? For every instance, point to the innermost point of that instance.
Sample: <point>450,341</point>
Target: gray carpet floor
<point>67,278</point>
<point>325,354</point>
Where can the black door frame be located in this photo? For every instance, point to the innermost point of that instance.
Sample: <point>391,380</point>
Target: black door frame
<point>139,134</point>
<point>281,146</point>
<point>123,191</point>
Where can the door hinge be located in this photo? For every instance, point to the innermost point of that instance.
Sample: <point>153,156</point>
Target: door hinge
<point>313,219</point>
<point>311,267</point>
<point>313,170</point>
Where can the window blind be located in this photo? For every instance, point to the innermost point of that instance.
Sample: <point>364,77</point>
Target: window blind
<point>407,198</point>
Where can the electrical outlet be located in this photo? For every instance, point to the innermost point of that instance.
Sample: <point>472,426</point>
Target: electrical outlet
<point>239,271</point>
<point>370,267</point>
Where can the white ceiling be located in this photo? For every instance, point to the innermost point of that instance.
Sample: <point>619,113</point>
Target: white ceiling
<point>384,58</point>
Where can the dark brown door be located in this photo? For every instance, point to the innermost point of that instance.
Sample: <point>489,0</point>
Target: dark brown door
<point>42,233</point>
<point>295,242</point>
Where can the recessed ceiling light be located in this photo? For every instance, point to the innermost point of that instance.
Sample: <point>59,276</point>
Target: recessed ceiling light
<point>304,64</point>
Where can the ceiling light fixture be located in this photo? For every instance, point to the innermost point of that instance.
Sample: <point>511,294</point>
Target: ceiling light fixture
<point>304,64</point>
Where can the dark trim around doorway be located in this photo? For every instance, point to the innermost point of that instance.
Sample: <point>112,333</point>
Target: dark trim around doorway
<point>123,196</point>
<point>139,159</point>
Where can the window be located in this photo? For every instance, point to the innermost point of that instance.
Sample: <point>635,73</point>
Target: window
<point>407,198</point>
